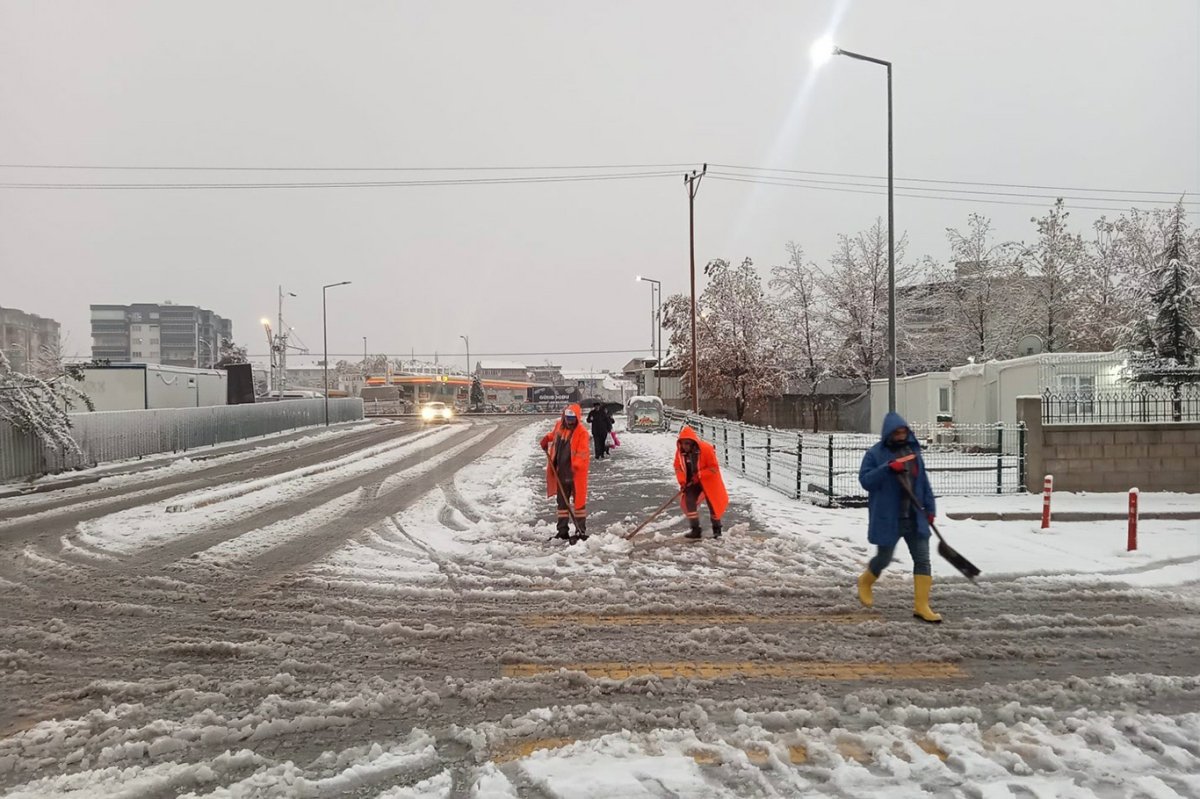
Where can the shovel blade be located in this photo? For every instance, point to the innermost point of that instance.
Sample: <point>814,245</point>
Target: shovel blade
<point>951,556</point>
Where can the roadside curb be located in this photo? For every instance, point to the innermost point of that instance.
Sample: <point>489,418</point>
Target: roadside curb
<point>1074,516</point>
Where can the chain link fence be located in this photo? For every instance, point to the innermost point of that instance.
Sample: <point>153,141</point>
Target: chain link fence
<point>823,467</point>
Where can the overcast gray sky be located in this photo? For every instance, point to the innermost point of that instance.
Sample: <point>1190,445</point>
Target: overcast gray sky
<point>1091,94</point>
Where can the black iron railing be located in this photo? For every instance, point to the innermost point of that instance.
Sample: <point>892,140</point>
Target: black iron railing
<point>1134,403</point>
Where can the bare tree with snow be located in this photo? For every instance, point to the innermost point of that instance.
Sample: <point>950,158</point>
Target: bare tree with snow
<point>1054,261</point>
<point>736,337</point>
<point>981,292</point>
<point>856,288</point>
<point>805,346</point>
<point>1106,300</point>
<point>231,353</point>
<point>38,406</point>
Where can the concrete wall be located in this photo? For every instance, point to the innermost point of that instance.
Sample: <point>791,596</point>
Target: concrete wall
<point>1151,456</point>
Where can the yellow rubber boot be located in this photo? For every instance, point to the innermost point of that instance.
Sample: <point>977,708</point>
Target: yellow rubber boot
<point>921,585</point>
<point>865,581</point>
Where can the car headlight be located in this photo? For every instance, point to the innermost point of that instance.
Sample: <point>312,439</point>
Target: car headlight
<point>427,413</point>
<point>446,414</point>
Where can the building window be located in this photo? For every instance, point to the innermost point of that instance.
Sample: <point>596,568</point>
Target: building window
<point>1079,392</point>
<point>135,354</point>
<point>153,341</point>
<point>944,399</point>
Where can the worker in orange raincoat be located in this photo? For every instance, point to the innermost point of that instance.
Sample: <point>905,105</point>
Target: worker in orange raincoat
<point>567,461</point>
<point>699,474</point>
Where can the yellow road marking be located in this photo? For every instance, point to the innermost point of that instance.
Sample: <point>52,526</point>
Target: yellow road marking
<point>524,749</point>
<point>931,748</point>
<point>853,750</point>
<point>665,619</point>
<point>758,755</point>
<point>808,670</point>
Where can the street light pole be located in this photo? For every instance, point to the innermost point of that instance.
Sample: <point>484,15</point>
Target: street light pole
<point>822,51</point>
<point>325,339</point>
<point>692,181</point>
<point>656,322</point>
<point>470,385</point>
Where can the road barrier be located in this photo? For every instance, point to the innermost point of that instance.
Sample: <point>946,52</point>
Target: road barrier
<point>105,436</point>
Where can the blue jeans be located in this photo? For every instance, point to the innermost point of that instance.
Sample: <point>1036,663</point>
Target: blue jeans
<point>918,548</point>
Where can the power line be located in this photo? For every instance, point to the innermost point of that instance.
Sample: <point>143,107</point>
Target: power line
<point>542,168</point>
<point>927,196</point>
<point>807,181</point>
<point>343,184</point>
<point>954,182</point>
<point>133,168</point>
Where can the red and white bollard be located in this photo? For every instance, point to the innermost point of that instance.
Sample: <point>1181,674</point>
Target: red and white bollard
<point>1131,545</point>
<point>1047,489</point>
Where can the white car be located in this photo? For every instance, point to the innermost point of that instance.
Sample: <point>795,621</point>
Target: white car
<point>436,413</point>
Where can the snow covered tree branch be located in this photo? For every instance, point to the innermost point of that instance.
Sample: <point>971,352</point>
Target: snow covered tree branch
<point>38,406</point>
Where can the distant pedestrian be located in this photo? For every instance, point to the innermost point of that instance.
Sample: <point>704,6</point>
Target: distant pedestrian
<point>699,474</point>
<point>602,423</point>
<point>567,461</point>
<point>887,467</point>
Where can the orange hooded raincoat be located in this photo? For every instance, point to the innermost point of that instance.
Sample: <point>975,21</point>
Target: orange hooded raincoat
<point>709,472</point>
<point>581,457</point>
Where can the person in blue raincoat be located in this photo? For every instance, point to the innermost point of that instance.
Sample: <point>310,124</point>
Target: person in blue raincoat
<point>896,460</point>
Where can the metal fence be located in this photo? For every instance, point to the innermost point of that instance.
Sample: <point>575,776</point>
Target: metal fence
<point>1134,403</point>
<point>119,435</point>
<point>823,467</point>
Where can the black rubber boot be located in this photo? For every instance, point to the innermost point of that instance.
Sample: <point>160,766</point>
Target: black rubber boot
<point>581,529</point>
<point>564,530</point>
<point>695,532</point>
<point>716,529</point>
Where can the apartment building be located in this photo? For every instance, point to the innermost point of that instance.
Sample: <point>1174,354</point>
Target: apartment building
<point>165,333</point>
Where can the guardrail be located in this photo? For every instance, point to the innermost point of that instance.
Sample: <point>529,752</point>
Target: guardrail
<point>823,467</point>
<point>105,436</point>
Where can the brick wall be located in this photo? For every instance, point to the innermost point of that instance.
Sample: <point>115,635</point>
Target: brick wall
<point>1110,457</point>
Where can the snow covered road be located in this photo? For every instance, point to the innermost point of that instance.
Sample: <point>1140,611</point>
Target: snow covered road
<point>398,625</point>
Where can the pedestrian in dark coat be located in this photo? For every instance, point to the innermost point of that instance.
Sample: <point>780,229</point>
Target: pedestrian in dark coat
<point>886,468</point>
<point>601,422</point>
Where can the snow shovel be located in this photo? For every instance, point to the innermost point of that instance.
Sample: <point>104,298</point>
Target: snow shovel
<point>653,516</point>
<point>951,555</point>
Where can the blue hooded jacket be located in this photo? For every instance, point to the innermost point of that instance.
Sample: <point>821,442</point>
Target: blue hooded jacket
<point>885,492</point>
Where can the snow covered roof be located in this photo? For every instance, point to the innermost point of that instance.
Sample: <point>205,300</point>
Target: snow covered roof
<point>506,366</point>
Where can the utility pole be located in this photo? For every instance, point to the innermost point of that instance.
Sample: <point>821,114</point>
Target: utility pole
<point>655,321</point>
<point>325,340</point>
<point>470,384</point>
<point>692,182</point>
<point>281,342</point>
